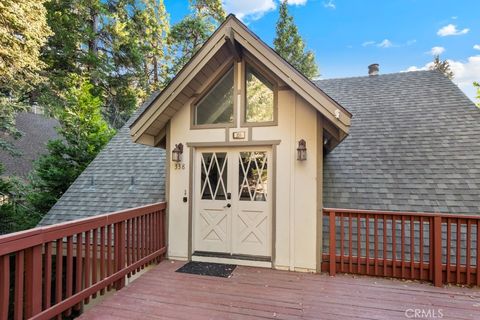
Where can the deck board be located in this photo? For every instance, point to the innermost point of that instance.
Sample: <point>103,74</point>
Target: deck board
<point>257,293</point>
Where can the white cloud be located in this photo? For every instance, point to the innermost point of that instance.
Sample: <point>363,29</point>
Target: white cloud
<point>368,43</point>
<point>451,30</point>
<point>297,2</point>
<point>248,10</point>
<point>476,47</point>
<point>385,44</point>
<point>435,51</point>
<point>251,9</point>
<point>330,4</point>
<point>465,73</point>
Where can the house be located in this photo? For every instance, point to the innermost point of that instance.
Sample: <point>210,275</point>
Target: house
<point>36,130</point>
<point>254,152</point>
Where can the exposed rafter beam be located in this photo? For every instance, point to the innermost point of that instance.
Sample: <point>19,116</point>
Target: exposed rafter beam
<point>234,47</point>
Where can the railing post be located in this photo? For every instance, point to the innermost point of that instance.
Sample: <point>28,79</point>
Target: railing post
<point>333,248</point>
<point>33,281</point>
<point>4,286</point>
<point>120,251</point>
<point>437,251</point>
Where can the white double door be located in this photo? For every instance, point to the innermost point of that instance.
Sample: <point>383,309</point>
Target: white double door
<point>233,201</point>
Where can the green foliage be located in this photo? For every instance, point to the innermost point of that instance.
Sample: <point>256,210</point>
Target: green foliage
<point>442,66</point>
<point>290,46</point>
<point>23,31</point>
<point>477,85</point>
<point>188,35</point>
<point>84,133</point>
<point>119,45</point>
<point>14,214</point>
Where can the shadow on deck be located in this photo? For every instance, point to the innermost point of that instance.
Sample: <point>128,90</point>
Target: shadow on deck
<point>253,293</point>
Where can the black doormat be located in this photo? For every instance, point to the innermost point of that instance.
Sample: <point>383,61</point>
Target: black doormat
<point>208,269</point>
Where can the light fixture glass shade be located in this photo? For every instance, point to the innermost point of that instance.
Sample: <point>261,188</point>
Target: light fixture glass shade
<point>302,150</point>
<point>177,153</point>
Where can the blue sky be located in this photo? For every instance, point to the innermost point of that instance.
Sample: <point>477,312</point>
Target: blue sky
<point>348,35</point>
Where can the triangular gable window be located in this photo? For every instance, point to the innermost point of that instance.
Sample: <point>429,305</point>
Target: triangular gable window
<point>259,97</point>
<point>216,107</point>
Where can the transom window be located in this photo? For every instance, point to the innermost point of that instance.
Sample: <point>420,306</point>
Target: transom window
<point>217,105</point>
<point>259,102</point>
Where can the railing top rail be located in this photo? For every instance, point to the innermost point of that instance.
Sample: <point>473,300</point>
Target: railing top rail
<point>402,213</point>
<point>25,239</point>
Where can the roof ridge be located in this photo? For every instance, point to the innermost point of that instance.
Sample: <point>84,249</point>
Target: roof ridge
<point>379,75</point>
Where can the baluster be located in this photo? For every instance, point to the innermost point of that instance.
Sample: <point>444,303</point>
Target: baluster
<point>33,281</point>
<point>457,249</point>
<point>332,243</point>
<point>102,257</point>
<point>4,286</point>
<point>350,244</point>
<point>469,248</point>
<point>367,243</point>
<point>47,288</point>
<point>402,247</point>
<point>341,242</point>
<point>94,259</point>
<point>394,246</point>
<point>448,249</point>
<point>59,272</point>
<point>87,263</point>
<point>421,248</point>
<point>384,248</point>
<point>19,285</point>
<point>375,236</point>
<point>79,271</point>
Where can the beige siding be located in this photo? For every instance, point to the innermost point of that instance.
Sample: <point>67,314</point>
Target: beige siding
<point>296,203</point>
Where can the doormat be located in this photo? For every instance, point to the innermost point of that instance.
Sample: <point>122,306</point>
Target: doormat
<point>208,269</point>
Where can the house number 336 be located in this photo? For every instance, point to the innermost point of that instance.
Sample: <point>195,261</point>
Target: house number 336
<point>179,166</point>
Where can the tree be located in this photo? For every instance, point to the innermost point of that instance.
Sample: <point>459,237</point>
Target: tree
<point>118,45</point>
<point>477,85</point>
<point>442,66</point>
<point>84,133</point>
<point>23,31</point>
<point>188,35</point>
<point>290,46</point>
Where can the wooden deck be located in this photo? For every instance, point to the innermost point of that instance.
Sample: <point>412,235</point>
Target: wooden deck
<point>253,293</point>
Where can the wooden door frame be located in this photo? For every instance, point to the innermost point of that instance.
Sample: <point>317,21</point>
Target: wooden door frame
<point>191,180</point>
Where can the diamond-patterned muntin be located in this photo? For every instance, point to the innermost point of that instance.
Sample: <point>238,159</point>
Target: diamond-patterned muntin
<point>253,175</point>
<point>214,175</point>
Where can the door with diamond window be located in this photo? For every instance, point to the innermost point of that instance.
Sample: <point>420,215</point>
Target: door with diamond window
<point>232,209</point>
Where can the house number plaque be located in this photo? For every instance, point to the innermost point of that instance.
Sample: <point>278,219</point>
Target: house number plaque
<point>239,135</point>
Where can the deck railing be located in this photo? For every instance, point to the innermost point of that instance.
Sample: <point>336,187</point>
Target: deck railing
<point>419,246</point>
<point>49,271</point>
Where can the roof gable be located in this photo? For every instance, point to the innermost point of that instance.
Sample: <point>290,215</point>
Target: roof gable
<point>225,44</point>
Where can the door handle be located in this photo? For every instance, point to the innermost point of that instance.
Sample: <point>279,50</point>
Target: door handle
<point>228,205</point>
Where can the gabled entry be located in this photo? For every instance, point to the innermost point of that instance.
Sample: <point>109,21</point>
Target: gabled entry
<point>237,190</point>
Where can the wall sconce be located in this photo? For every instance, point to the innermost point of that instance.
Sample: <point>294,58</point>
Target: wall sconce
<point>302,150</point>
<point>177,153</point>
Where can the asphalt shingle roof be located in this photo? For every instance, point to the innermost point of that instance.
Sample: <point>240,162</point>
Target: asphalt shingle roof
<point>124,174</point>
<point>414,145</point>
<point>36,131</point>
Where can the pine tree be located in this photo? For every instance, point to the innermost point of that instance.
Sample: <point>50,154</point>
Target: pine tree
<point>188,35</point>
<point>83,134</point>
<point>23,31</point>
<point>442,66</point>
<point>119,45</point>
<point>477,86</point>
<point>290,46</point>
